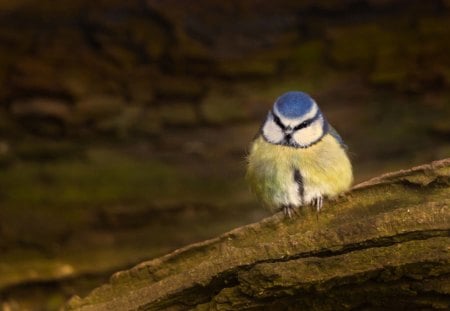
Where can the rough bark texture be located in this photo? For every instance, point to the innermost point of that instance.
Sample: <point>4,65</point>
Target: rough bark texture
<point>384,245</point>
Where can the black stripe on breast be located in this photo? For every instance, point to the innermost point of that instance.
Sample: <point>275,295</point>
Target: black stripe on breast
<point>298,178</point>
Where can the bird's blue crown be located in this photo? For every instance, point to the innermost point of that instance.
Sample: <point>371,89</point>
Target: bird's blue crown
<point>294,104</point>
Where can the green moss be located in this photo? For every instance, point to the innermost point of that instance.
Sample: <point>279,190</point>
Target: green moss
<point>391,67</point>
<point>149,122</point>
<point>308,58</point>
<point>110,205</point>
<point>434,27</point>
<point>95,108</point>
<point>376,272</point>
<point>80,187</point>
<point>146,33</point>
<point>141,87</point>
<point>178,114</point>
<point>406,57</point>
<point>104,177</point>
<point>123,125</point>
<point>47,150</point>
<point>247,68</point>
<point>220,107</point>
<point>356,46</point>
<point>178,87</point>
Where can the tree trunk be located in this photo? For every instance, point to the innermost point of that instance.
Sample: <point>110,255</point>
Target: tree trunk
<point>385,245</point>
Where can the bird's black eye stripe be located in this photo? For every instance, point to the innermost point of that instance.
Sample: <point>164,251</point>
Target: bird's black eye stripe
<point>307,122</point>
<point>278,121</point>
<point>303,124</point>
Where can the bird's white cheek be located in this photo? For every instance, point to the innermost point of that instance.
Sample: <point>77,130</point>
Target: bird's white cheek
<point>272,132</point>
<point>310,134</point>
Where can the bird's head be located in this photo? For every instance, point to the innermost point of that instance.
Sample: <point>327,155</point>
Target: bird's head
<point>295,120</point>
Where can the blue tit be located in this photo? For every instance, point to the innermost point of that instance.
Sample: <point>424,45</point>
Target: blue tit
<point>297,158</point>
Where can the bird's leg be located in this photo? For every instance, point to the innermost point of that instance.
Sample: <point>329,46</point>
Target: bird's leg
<point>288,210</point>
<point>318,203</point>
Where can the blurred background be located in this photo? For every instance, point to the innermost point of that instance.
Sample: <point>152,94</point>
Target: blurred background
<point>124,125</point>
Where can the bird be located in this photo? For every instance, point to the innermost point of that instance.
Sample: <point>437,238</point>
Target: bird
<point>297,158</point>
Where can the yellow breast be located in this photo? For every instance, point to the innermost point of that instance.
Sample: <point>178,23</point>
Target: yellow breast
<point>324,167</point>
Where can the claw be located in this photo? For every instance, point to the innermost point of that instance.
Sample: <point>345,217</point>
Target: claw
<point>288,210</point>
<point>318,203</point>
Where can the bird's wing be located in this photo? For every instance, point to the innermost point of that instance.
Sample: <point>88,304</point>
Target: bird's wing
<point>336,135</point>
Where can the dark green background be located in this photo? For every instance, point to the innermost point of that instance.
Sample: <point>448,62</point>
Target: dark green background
<point>124,125</point>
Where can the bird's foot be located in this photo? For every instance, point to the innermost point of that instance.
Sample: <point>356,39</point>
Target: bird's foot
<point>288,210</point>
<point>317,203</point>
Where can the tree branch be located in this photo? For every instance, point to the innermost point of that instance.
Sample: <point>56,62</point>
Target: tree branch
<point>384,244</point>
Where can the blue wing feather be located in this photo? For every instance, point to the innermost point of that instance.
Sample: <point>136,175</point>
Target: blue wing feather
<point>336,135</point>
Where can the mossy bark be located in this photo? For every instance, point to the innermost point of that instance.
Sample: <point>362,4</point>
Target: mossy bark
<point>383,245</point>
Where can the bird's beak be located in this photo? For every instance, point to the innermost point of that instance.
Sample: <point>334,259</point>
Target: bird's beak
<point>288,130</point>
